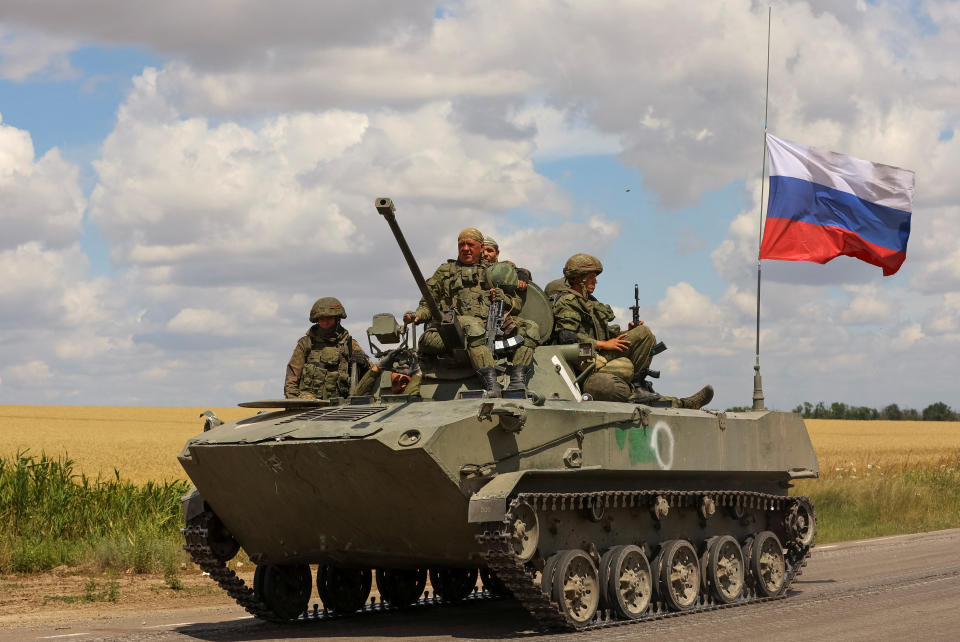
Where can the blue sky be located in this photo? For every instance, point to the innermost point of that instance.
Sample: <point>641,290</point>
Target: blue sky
<point>75,114</point>
<point>211,183</point>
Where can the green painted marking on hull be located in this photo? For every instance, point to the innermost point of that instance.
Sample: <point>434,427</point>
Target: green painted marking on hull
<point>640,449</point>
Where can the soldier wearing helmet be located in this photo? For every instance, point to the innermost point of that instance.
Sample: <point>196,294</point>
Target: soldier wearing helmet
<point>580,318</point>
<point>320,365</point>
<point>468,285</point>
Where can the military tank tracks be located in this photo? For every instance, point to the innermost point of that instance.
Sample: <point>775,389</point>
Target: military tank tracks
<point>580,590</point>
<point>210,551</point>
<point>575,589</point>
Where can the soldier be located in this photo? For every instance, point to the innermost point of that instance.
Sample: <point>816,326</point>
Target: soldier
<point>320,365</point>
<point>491,253</point>
<point>405,381</point>
<point>465,286</point>
<point>580,318</point>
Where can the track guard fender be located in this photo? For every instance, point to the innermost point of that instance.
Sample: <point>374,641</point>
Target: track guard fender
<point>489,504</point>
<point>192,504</point>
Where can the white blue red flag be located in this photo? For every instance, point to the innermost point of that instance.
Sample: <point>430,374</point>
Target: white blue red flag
<point>823,205</point>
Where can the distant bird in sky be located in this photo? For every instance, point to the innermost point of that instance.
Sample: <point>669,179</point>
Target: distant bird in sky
<point>628,189</point>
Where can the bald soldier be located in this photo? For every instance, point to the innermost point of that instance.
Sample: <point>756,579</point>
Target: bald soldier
<point>580,318</point>
<point>319,367</point>
<point>465,286</point>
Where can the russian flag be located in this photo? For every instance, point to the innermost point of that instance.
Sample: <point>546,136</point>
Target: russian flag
<point>823,205</point>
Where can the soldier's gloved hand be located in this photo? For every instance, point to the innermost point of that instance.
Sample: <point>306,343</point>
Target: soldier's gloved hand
<point>496,294</point>
<point>388,360</point>
<point>521,284</point>
<point>508,325</point>
<point>410,317</point>
<point>632,325</point>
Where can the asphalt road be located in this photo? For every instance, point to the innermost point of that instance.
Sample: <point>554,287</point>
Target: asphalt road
<point>894,588</point>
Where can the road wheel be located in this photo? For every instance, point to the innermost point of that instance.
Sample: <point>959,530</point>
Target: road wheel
<point>723,568</point>
<point>678,574</point>
<point>401,587</point>
<point>767,565</point>
<point>576,586</point>
<point>453,584</point>
<point>343,590</point>
<point>628,582</point>
<point>285,589</point>
<point>524,531</point>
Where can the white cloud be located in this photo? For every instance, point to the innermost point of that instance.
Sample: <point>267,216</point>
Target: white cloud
<point>37,288</point>
<point>908,336</point>
<point>155,373</point>
<point>682,306</point>
<point>220,203</point>
<point>24,54</point>
<point>248,34</point>
<point>196,321</point>
<point>86,345</point>
<point>237,185</point>
<point>30,372</point>
<point>40,200</point>
<point>944,319</point>
<point>541,249</point>
<point>869,304</point>
<point>560,134</point>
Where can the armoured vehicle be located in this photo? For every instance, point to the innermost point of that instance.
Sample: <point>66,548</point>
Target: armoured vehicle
<point>590,513</point>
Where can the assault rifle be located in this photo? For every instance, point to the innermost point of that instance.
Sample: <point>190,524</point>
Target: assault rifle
<point>494,325</point>
<point>635,308</point>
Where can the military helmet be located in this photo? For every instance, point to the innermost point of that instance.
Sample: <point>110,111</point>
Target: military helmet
<point>328,306</point>
<point>580,264</point>
<point>502,275</point>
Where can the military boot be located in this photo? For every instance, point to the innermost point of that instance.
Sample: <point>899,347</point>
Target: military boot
<point>488,378</point>
<point>519,376</point>
<point>641,395</point>
<point>698,399</point>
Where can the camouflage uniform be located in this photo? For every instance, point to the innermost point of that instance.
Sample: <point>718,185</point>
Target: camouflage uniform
<point>583,319</point>
<point>465,289</point>
<point>319,367</point>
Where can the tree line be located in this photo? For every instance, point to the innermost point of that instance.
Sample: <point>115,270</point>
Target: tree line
<point>938,411</point>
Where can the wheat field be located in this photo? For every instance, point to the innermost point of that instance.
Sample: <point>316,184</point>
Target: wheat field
<point>865,448</point>
<point>143,443</point>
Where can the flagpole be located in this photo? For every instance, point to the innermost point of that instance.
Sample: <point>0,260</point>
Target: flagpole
<point>757,379</point>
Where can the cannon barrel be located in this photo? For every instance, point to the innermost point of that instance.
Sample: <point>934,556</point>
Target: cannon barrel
<point>388,211</point>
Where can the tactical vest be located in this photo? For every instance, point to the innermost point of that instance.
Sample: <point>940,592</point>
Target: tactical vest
<point>602,314</point>
<point>597,315</point>
<point>326,371</point>
<point>468,290</point>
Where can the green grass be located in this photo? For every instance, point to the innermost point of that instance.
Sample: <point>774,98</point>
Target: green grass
<point>92,592</point>
<point>51,516</point>
<point>850,506</point>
